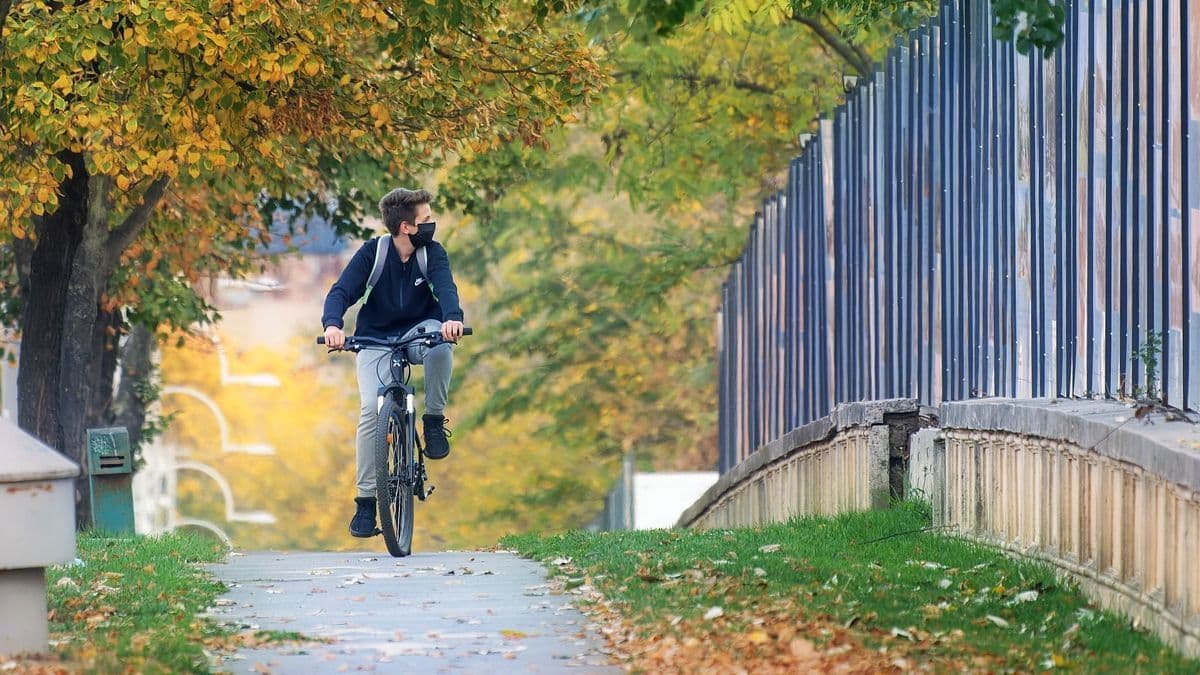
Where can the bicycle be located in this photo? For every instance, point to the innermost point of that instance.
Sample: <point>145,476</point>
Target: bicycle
<point>399,457</point>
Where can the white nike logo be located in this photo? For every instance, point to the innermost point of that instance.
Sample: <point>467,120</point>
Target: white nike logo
<point>418,281</point>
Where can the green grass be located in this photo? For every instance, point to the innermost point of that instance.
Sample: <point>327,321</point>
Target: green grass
<point>133,604</point>
<point>938,598</point>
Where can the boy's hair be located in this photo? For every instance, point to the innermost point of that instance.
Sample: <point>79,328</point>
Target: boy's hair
<point>400,205</point>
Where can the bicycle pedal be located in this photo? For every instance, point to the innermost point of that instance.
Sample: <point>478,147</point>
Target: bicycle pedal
<point>430,491</point>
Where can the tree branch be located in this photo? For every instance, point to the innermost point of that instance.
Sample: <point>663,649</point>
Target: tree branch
<point>862,53</point>
<point>709,81</point>
<point>836,42</point>
<point>120,238</point>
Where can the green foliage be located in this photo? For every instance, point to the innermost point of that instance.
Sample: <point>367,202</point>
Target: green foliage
<point>148,390</point>
<point>167,302</point>
<point>599,256</point>
<point>1036,24</point>
<point>1148,353</point>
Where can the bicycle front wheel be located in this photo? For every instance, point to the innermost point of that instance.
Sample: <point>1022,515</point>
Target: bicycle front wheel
<point>394,448</point>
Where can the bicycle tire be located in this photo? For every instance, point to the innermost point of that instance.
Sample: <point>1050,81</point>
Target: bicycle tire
<point>393,485</point>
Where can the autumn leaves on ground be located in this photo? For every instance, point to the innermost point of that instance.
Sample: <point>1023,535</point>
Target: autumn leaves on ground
<point>132,605</point>
<point>864,592</point>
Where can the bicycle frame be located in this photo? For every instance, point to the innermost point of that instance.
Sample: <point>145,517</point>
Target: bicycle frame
<point>400,462</point>
<point>401,392</point>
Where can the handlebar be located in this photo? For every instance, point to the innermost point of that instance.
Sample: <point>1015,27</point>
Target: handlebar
<point>356,343</point>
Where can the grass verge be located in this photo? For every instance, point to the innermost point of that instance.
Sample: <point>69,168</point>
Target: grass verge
<point>819,593</point>
<point>134,605</point>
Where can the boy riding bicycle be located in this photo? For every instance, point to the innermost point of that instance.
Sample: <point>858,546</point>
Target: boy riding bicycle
<point>413,293</point>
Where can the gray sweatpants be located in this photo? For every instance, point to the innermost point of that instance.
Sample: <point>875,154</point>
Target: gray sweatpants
<point>374,372</point>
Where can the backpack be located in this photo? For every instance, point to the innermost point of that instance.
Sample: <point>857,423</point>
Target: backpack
<point>381,247</point>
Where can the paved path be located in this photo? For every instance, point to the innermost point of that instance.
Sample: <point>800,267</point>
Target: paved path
<point>458,612</point>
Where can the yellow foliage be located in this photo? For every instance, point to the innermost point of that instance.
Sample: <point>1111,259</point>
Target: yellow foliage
<point>228,98</point>
<point>497,480</point>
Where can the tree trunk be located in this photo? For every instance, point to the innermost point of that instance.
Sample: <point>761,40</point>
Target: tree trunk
<point>59,382</point>
<point>78,365</point>
<point>137,371</point>
<point>44,293</point>
<point>5,7</point>
<point>105,336</point>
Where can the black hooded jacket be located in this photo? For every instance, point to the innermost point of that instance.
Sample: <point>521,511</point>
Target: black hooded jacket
<point>402,299</point>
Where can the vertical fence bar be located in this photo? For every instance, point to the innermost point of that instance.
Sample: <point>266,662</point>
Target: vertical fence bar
<point>1189,181</point>
<point>1189,184</point>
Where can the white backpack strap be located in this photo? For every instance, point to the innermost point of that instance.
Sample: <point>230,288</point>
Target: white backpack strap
<point>381,245</point>
<point>423,262</point>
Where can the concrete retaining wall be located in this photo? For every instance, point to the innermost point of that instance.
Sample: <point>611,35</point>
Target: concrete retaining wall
<point>844,462</point>
<point>1105,492</point>
<point>1079,484</point>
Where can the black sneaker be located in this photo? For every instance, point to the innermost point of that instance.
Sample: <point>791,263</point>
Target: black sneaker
<point>436,434</point>
<point>363,523</point>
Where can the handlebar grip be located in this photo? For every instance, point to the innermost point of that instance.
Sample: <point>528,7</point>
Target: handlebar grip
<point>468,330</point>
<point>321,340</point>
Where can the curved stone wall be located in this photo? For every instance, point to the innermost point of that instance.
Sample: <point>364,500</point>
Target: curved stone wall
<point>1091,487</point>
<point>843,462</point>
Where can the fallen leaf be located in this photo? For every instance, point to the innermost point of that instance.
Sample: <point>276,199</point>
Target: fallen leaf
<point>645,574</point>
<point>510,634</point>
<point>1024,596</point>
<point>769,548</point>
<point>713,613</point>
<point>997,620</point>
<point>802,649</point>
<point>758,637</point>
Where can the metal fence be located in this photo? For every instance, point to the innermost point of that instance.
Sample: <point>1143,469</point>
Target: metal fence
<point>973,222</point>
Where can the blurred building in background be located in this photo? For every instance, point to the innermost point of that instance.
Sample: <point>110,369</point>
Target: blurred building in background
<point>648,500</point>
<point>266,310</point>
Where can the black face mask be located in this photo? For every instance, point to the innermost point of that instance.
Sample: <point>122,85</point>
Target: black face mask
<point>424,235</point>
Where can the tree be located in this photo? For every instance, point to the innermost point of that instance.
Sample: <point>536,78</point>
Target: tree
<point>109,111</point>
<point>605,251</point>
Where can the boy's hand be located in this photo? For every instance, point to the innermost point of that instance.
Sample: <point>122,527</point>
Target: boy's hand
<point>335,338</point>
<point>452,330</point>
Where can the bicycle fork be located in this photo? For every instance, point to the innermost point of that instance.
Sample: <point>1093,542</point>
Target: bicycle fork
<point>418,468</point>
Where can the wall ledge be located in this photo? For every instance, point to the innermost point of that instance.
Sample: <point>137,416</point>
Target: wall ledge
<point>1170,449</point>
<point>844,416</point>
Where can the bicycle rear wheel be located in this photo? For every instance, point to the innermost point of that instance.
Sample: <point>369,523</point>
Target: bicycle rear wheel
<point>394,449</point>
